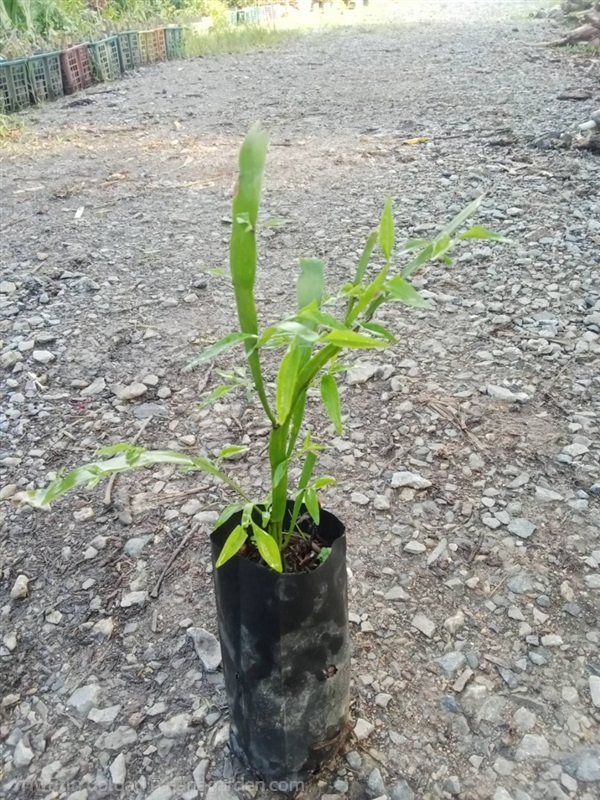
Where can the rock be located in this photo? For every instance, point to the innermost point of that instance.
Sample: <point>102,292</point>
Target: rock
<point>133,547</point>
<point>23,755</point>
<point>207,648</point>
<point>176,727</point>
<point>20,588</point>
<point>104,716</point>
<point>206,517</point>
<point>423,624</point>
<point>118,739</point>
<point>359,499</point>
<point>9,640</point>
<point>452,785</point>
<point>199,774</point>
<point>593,581</point>
<point>547,495</point>
<point>502,794</point>
<point>134,599</point>
<point>103,628</point>
<point>524,720</point>
<point>96,387</point>
<point>381,503</point>
<point>451,663</point>
<point>220,791</point>
<point>130,392</point>
<point>575,450</point>
<point>354,760</point>
<point>521,527</point>
<point>147,410</point>
<point>192,507</point>
<point>84,698</point>
<point>118,770</point>
<point>7,287</point>
<point>414,547</point>
<point>520,583</point>
<point>532,746</point>
<point>361,373</point>
<point>455,623</point>
<point>43,356</point>
<point>396,593</point>
<point>409,479</point>
<point>162,793</point>
<point>552,640</point>
<point>584,765</point>
<point>402,791</point>
<point>594,682</point>
<point>382,699</point>
<point>501,393</point>
<point>8,491</point>
<point>363,729</point>
<point>375,784</point>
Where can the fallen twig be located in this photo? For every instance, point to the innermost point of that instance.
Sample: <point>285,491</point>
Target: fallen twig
<point>156,590</point>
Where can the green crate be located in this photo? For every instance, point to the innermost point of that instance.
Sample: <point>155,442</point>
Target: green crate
<point>174,42</point>
<point>45,76</point>
<point>106,63</point>
<point>14,85</point>
<point>129,46</point>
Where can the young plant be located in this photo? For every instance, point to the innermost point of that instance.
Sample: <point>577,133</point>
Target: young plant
<point>309,343</point>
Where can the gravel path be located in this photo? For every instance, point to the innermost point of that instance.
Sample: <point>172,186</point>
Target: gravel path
<point>475,600</point>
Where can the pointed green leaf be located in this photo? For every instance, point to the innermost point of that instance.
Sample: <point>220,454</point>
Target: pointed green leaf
<point>217,393</point>
<point>399,289</point>
<point>267,547</point>
<point>234,541</point>
<point>479,232</point>
<point>230,451</point>
<point>310,282</point>
<point>218,347</point>
<point>311,501</point>
<point>286,382</point>
<point>324,480</point>
<point>351,339</point>
<point>365,257</point>
<point>462,216</point>
<point>227,513</point>
<point>386,230</point>
<point>379,330</point>
<point>331,400</point>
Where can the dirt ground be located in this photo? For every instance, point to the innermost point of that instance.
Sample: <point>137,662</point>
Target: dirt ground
<point>475,602</point>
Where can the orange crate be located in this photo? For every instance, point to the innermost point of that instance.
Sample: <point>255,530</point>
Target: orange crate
<point>152,46</point>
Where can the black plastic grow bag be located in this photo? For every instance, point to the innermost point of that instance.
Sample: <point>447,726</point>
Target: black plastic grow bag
<point>286,657</point>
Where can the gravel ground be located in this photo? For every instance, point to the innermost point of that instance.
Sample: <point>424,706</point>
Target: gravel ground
<point>469,467</point>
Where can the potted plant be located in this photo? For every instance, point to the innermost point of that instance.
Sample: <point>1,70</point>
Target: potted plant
<point>280,577</point>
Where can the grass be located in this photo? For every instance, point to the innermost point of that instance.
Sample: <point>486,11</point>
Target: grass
<point>232,39</point>
<point>10,127</point>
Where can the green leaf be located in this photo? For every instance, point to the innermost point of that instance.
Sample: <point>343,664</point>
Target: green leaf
<point>386,230</point>
<point>399,289</point>
<point>227,513</point>
<point>280,472</point>
<point>479,232</point>
<point>324,480</point>
<point>286,382</point>
<point>311,501</point>
<point>462,216</point>
<point>331,400</point>
<point>424,256</point>
<point>267,547</point>
<point>351,339</point>
<point>297,329</point>
<point>379,330</point>
<point>217,393</point>
<point>230,451</point>
<point>441,246</point>
<point>413,244</point>
<point>218,347</point>
<point>365,257</point>
<point>234,541</point>
<point>324,554</point>
<point>314,315</point>
<point>113,449</point>
<point>310,282</point>
<point>217,272</point>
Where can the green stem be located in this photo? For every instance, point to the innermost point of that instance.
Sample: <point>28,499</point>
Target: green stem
<point>277,456</point>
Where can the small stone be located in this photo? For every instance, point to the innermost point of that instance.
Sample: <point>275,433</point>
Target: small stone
<point>505,395</point>
<point>524,720</point>
<point>162,793</point>
<point>584,765</point>
<point>151,380</point>
<point>176,727</point>
<point>83,515</point>
<point>382,699</point>
<point>134,599</point>
<point>414,547</point>
<point>396,593</point>
<point>455,623</point>
<point>359,499</point>
<point>514,612</point>
<point>409,479</point>
<point>532,746</point>
<point>7,287</point>
<point>9,640</point>
<point>220,791</point>
<point>199,774</point>
<point>207,648</point>
<point>124,735</point>
<point>354,760</point>
<point>361,373</point>
<point>10,358</point>
<point>43,356</point>
<point>452,785</point>
<point>520,583</point>
<point>20,588</point>
<point>402,791</point>
<point>575,450</point>
<point>521,527</point>
<point>593,581</point>
<point>375,784</point>
<point>96,387</point>
<point>103,628</point>
<point>118,770</point>
<point>381,503</point>
<point>133,547</point>
<point>423,624</point>
<point>23,755</point>
<point>363,729</point>
<point>84,698</point>
<point>206,517</point>
<point>131,391</point>
<point>53,617</point>
<point>192,507</point>
<point>476,462</point>
<point>502,794</point>
<point>552,640</point>
<point>8,491</point>
<point>451,663</point>
<point>547,495</point>
<point>594,682</point>
<point>104,716</point>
